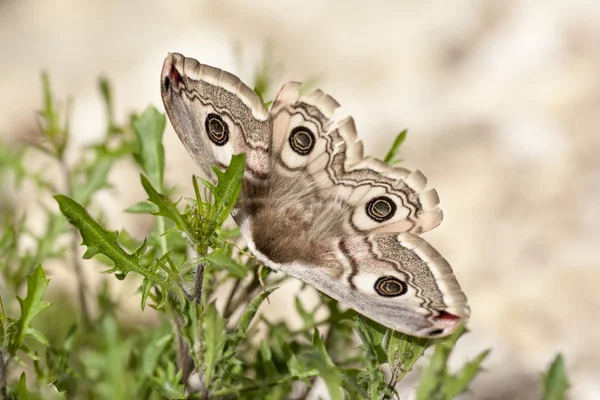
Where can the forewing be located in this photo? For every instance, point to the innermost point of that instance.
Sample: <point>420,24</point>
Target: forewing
<point>216,116</point>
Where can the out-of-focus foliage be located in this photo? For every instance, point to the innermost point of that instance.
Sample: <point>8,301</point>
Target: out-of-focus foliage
<point>81,348</point>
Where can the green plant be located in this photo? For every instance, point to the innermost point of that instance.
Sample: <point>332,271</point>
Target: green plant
<point>92,353</point>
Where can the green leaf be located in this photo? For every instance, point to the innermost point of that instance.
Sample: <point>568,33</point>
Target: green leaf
<point>8,239</point>
<point>307,317</point>
<point>168,382</point>
<point>327,369</point>
<point>215,338</point>
<point>31,306</point>
<point>100,241</point>
<point>403,352</point>
<point>436,381</point>
<point>460,382</point>
<point>306,374</point>
<point>106,92</point>
<point>267,364</point>
<point>95,177</point>
<point>22,388</point>
<point>371,335</point>
<point>390,157</point>
<point>3,328</point>
<point>143,207</point>
<point>149,128</point>
<point>167,208</point>
<point>554,382</point>
<point>56,135</point>
<point>220,259</point>
<point>227,189</point>
<point>248,316</point>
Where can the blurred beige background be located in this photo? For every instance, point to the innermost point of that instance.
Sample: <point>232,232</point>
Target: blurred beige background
<point>502,103</point>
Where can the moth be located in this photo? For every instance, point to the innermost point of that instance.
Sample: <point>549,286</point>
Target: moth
<point>312,205</point>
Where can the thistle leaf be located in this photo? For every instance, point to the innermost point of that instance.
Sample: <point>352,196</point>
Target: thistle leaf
<point>248,316</point>
<point>31,306</point>
<point>167,208</point>
<point>227,189</point>
<point>100,241</point>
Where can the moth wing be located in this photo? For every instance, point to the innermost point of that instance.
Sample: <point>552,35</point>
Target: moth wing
<point>310,138</point>
<point>215,115</point>
<point>398,280</point>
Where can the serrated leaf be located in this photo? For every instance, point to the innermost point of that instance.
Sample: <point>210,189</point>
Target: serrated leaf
<point>227,189</point>
<point>390,157</point>
<point>149,128</point>
<point>167,208</point>
<point>403,352</point>
<point>100,241</point>
<point>554,382</point>
<point>460,382</point>
<point>371,335</point>
<point>435,375</point>
<point>220,260</point>
<point>31,306</point>
<point>248,316</point>
<point>215,337</point>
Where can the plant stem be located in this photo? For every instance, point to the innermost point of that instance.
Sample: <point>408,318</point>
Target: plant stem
<point>199,285</point>
<point>227,311</point>
<point>184,360</point>
<point>3,367</point>
<point>248,294</point>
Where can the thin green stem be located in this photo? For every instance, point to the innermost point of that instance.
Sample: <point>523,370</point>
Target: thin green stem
<point>227,310</point>
<point>3,372</point>
<point>3,324</point>
<point>3,357</point>
<point>82,287</point>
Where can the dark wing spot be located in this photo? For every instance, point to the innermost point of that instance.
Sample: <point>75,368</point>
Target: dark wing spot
<point>381,209</point>
<point>435,332</point>
<point>216,129</point>
<point>389,286</point>
<point>302,140</point>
